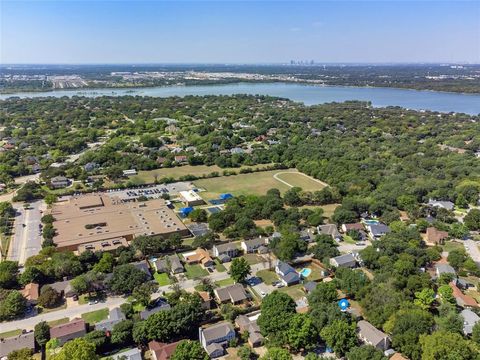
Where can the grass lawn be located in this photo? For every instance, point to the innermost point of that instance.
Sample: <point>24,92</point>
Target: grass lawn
<point>178,171</point>
<point>348,239</point>
<point>243,184</point>
<point>225,282</point>
<point>219,266</point>
<point>253,259</point>
<point>137,307</point>
<point>96,316</point>
<point>296,291</point>
<point>11,333</point>
<point>195,271</point>
<point>316,273</point>
<point>42,310</point>
<point>58,322</point>
<point>267,276</point>
<point>296,178</point>
<point>162,279</point>
<point>452,245</point>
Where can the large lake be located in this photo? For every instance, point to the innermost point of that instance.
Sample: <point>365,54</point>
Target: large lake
<point>308,94</point>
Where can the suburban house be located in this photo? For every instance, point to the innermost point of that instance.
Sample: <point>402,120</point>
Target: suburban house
<point>69,331</point>
<point>251,246</point>
<point>206,300</point>
<point>160,305</point>
<point>215,338</point>
<point>162,351</point>
<point>331,230</point>
<point>228,249</point>
<point>59,182</point>
<point>63,287</point>
<point>176,266</point>
<point>288,275</point>
<point>346,260</point>
<point>444,269</point>
<point>143,266</point>
<point>179,159</point>
<point>376,231</point>
<point>309,286</point>
<point>132,354</point>
<point>354,226</point>
<point>441,204</point>
<point>469,321</point>
<point>17,342</point>
<point>435,236</point>
<point>31,293</point>
<point>370,335</point>
<point>463,300</point>
<point>161,265</point>
<point>248,323</point>
<point>231,293</point>
<point>200,256</point>
<point>115,316</point>
<point>307,235</point>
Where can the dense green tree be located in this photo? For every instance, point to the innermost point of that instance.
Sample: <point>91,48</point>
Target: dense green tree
<point>21,354</point>
<point>240,269</point>
<point>13,305</point>
<point>444,345</point>
<point>302,334</point>
<point>472,219</point>
<point>189,350</point>
<point>126,278</point>
<point>365,352</point>
<point>78,349</point>
<point>275,353</point>
<point>277,311</point>
<point>143,293</point>
<point>8,274</point>
<point>198,215</point>
<point>122,332</point>
<point>340,336</point>
<point>49,297</point>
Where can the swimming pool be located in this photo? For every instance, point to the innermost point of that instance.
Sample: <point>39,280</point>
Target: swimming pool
<point>371,222</point>
<point>305,272</point>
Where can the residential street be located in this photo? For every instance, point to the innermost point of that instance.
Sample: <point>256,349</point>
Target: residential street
<point>472,249</point>
<point>111,302</point>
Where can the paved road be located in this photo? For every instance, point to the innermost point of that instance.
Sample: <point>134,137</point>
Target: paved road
<point>111,302</point>
<point>472,248</point>
<point>27,240</point>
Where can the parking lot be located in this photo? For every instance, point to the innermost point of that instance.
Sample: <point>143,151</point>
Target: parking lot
<point>151,192</point>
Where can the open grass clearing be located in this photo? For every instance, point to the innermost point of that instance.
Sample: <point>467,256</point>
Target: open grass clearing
<point>253,259</point>
<point>224,282</point>
<point>162,279</point>
<point>96,316</point>
<point>219,266</point>
<point>195,271</point>
<point>267,276</point>
<point>178,171</point>
<point>452,245</point>
<point>298,179</point>
<point>10,333</point>
<point>295,292</point>
<point>58,322</point>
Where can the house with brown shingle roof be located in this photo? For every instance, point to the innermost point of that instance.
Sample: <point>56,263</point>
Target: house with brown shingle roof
<point>231,293</point>
<point>69,331</point>
<point>462,299</point>
<point>162,351</point>
<point>436,236</point>
<point>30,292</point>
<point>200,256</point>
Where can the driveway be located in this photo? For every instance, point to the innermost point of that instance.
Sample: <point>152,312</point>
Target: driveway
<point>473,250</point>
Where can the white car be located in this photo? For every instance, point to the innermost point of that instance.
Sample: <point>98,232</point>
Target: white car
<point>263,294</point>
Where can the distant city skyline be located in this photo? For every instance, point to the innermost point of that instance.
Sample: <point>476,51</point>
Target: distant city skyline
<point>230,32</point>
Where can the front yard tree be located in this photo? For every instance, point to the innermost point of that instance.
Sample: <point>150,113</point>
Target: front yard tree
<point>240,269</point>
<point>340,336</point>
<point>189,350</point>
<point>275,353</point>
<point>302,334</point>
<point>274,321</point>
<point>126,278</point>
<point>78,349</point>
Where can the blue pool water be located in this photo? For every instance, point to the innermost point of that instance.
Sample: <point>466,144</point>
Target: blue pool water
<point>305,272</point>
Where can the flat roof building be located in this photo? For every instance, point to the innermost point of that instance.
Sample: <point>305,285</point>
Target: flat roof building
<point>191,198</point>
<point>106,223</point>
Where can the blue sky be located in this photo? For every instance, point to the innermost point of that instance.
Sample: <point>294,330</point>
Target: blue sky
<point>238,32</point>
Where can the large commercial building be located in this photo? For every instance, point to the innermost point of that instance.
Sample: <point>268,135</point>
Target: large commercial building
<point>99,222</point>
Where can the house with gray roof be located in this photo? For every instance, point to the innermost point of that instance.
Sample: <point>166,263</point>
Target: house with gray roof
<point>215,339</point>
<point>444,269</point>
<point>143,266</point>
<point>310,286</point>
<point>231,293</point>
<point>132,354</point>
<point>248,323</point>
<point>469,321</point>
<point>376,231</point>
<point>331,230</point>
<point>160,305</point>
<point>346,260</point>
<point>228,249</point>
<point>307,235</point>
<point>161,265</point>
<point>441,204</point>
<point>251,246</point>
<point>288,275</point>
<point>176,266</point>
<point>114,317</point>
<point>370,335</point>
<point>17,342</point>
